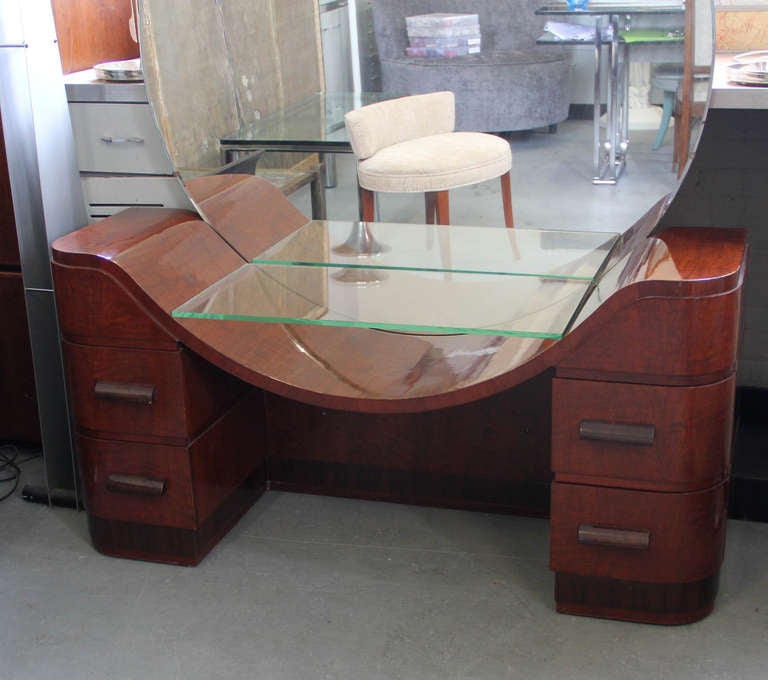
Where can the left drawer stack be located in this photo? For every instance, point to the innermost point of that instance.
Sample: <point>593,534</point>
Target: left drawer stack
<point>170,448</point>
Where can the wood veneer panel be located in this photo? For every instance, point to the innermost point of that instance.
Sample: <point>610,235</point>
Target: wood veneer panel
<point>687,532</point>
<point>637,334</point>
<point>172,545</point>
<point>492,453</point>
<point>19,420</point>
<point>692,429</point>
<point>100,458</point>
<point>93,31</point>
<point>660,603</point>
<point>188,392</point>
<point>9,244</point>
<point>94,309</point>
<point>661,340</point>
<point>248,212</point>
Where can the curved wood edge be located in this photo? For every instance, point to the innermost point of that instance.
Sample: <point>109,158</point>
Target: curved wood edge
<point>117,234</point>
<point>161,258</point>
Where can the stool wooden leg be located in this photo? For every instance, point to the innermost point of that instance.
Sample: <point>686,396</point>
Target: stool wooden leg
<point>443,208</point>
<point>506,198</point>
<point>366,205</point>
<point>430,207</point>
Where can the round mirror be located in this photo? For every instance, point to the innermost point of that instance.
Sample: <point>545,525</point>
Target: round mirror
<point>601,127</point>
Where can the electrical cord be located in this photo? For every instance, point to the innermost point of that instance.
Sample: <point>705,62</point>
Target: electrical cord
<point>10,467</point>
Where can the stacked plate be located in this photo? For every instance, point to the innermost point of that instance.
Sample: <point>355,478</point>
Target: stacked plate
<point>128,69</point>
<point>750,68</point>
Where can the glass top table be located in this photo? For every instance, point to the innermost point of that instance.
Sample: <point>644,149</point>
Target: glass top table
<point>612,29</point>
<point>415,279</point>
<point>312,124</point>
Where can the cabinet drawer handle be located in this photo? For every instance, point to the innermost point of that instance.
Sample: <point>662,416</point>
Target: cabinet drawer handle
<point>130,392</point>
<point>632,539</point>
<point>122,140</point>
<point>141,486</point>
<point>597,430</point>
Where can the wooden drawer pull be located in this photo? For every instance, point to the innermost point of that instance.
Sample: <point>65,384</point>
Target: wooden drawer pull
<point>141,486</point>
<point>620,433</point>
<point>131,392</point>
<point>632,539</point>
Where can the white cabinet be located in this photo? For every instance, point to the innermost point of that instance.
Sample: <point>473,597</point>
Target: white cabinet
<point>121,155</point>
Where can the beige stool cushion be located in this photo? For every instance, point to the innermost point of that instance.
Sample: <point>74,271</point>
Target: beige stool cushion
<point>436,163</point>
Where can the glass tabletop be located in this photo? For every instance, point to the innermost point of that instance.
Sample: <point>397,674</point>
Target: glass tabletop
<point>596,7</point>
<point>315,121</point>
<point>574,255</point>
<point>414,279</point>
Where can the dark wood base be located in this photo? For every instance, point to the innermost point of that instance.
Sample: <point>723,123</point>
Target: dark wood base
<point>410,486</point>
<point>659,603</point>
<point>186,547</point>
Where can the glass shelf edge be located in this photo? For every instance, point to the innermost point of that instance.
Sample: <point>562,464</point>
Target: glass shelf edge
<point>398,328</point>
<point>337,265</point>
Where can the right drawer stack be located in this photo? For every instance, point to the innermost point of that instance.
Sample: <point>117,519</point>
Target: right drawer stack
<point>639,497</point>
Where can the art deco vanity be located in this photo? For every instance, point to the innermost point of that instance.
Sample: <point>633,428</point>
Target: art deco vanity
<point>584,376</point>
<point>597,365</point>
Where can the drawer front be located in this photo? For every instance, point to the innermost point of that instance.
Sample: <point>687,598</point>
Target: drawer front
<point>637,535</point>
<point>642,436</point>
<point>106,195</point>
<point>118,138</point>
<point>128,394</point>
<point>133,482</point>
<point>145,395</point>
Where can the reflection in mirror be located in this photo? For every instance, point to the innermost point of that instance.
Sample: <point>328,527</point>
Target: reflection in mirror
<point>238,87</point>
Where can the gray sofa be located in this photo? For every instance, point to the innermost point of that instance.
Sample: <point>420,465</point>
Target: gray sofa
<point>513,84</point>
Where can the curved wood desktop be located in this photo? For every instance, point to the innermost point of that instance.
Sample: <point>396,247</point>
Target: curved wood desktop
<point>620,431</point>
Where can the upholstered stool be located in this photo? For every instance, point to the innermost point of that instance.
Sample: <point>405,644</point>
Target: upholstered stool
<point>408,145</point>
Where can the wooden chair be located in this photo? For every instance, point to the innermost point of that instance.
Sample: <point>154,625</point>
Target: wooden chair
<point>409,145</point>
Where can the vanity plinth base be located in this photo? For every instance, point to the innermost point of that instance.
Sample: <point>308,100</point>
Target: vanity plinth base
<point>636,601</point>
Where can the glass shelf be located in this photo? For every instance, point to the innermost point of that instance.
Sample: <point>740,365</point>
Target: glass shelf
<point>414,279</point>
<point>517,252</point>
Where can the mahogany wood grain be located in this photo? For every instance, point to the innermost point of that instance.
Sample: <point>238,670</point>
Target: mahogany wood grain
<point>93,31</point>
<point>102,458</point>
<point>19,420</point>
<point>692,434</point>
<point>637,343</point>
<point>671,518</point>
<point>172,545</point>
<point>248,212</point>
<point>9,243</point>
<point>493,453</point>
<point>274,357</point>
<point>198,477</point>
<point>83,297</point>
<point>189,392</point>
<point>659,603</point>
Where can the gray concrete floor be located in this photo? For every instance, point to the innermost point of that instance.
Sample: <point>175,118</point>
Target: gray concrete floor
<point>307,587</point>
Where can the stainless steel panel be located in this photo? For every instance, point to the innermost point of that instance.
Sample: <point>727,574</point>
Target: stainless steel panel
<point>47,200</point>
<point>51,390</point>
